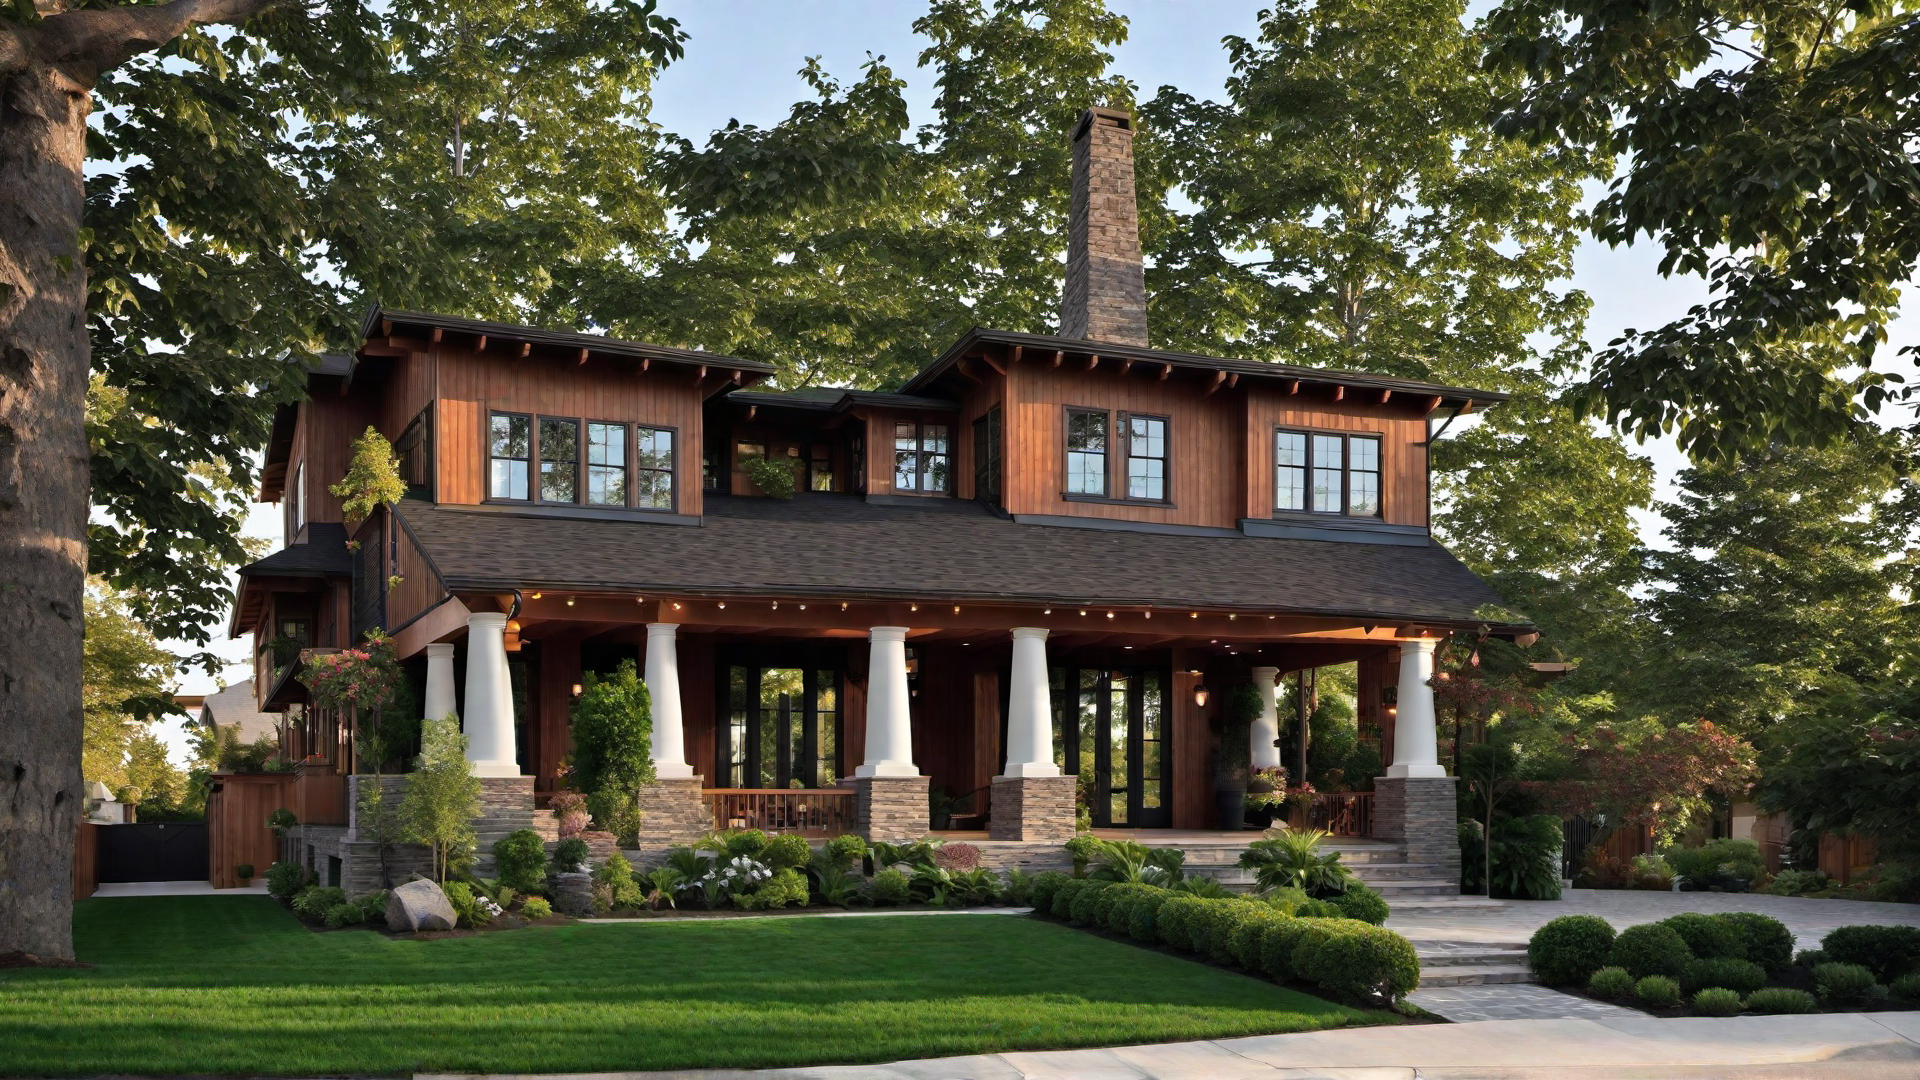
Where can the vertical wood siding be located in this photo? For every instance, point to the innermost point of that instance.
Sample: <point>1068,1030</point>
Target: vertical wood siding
<point>323,440</point>
<point>1403,432</point>
<point>419,587</point>
<point>237,824</point>
<point>471,385</point>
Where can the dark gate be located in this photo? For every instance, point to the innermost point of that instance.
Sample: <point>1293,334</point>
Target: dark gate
<point>159,851</point>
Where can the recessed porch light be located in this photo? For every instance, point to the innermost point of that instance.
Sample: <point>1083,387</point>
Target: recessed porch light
<point>723,605</point>
<point>533,596</point>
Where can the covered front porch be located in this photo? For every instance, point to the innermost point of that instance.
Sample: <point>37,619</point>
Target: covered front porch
<point>894,718</point>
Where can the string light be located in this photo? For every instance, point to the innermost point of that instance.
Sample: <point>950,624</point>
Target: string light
<point>1109,614</point>
<point>569,601</point>
<point>723,605</point>
<point>956,609</point>
<point>843,605</point>
<point>533,596</point>
<point>776,605</point>
<point>913,607</point>
<point>1193,614</point>
<point>676,605</point>
<point>803,607</point>
<point>1049,611</point>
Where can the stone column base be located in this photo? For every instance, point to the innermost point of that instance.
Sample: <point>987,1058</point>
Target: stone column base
<point>1032,808</point>
<point>1423,813</point>
<point>890,808</point>
<point>673,812</point>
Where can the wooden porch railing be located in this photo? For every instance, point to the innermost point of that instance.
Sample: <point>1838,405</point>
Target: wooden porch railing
<point>1342,813</point>
<point>809,812</point>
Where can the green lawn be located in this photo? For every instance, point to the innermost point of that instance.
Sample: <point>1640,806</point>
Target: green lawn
<point>237,985</point>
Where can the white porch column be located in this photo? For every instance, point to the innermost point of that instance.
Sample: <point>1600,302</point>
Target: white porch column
<point>1266,727</point>
<point>889,725</point>
<point>1416,743</point>
<point>1029,708</point>
<point>663,687</point>
<point>440,700</point>
<point>489,719</point>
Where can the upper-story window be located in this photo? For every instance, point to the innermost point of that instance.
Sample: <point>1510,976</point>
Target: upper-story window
<point>987,439</point>
<point>512,450</point>
<point>1147,458</point>
<point>920,457</point>
<point>1326,473</point>
<point>580,462</point>
<point>299,500</point>
<point>654,491</point>
<point>1086,452</point>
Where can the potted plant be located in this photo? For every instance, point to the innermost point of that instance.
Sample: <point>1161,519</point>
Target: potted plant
<point>1238,710</point>
<point>245,873</point>
<point>1267,793</point>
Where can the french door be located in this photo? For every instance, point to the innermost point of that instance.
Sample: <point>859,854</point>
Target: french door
<point>782,729</point>
<point>1110,728</point>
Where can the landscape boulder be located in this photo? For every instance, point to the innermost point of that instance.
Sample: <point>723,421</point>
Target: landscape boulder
<point>572,893</point>
<point>419,905</point>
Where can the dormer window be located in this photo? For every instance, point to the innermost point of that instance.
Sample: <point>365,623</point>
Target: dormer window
<point>1086,453</point>
<point>1326,473</point>
<point>512,450</point>
<point>613,465</point>
<point>920,457</point>
<point>559,460</point>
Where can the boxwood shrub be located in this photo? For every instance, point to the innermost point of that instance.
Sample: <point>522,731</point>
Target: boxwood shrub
<point>1887,951</point>
<point>1569,949</point>
<point>1362,903</point>
<point>1740,976</point>
<point>1356,960</point>
<point>1844,982</point>
<point>1657,991</point>
<point>285,879</point>
<point>1213,926</point>
<point>1716,1001</point>
<point>1611,983</point>
<point>1113,904</point>
<point>1779,1000</point>
<point>1767,940</point>
<point>1175,918</point>
<point>1085,902</point>
<point>1708,937</point>
<point>1044,886</point>
<point>1246,940</point>
<point>787,850</point>
<point>1061,906</point>
<point>1144,915</point>
<point>1650,949</point>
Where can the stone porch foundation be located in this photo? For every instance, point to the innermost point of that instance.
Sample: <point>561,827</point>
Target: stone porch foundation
<point>1032,808</point>
<point>1423,813</point>
<point>673,813</point>
<point>890,808</point>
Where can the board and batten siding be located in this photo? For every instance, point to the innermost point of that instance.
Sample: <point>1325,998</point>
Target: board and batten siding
<point>323,441</point>
<point>472,385</point>
<point>1206,462</point>
<point>1402,429</point>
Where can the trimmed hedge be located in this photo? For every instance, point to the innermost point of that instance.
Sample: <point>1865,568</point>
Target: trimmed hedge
<point>1213,926</point>
<point>1277,944</point>
<point>1708,937</point>
<point>1357,960</point>
<point>1112,908</point>
<point>1650,949</point>
<point>1143,917</point>
<point>1767,940</point>
<point>1063,897</point>
<point>1175,919</point>
<point>1887,951</point>
<point>1362,903</point>
<point>1569,949</point>
<point>1043,888</point>
<point>1086,902</point>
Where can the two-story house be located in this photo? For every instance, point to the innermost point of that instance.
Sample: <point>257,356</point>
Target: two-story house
<point>1022,568</point>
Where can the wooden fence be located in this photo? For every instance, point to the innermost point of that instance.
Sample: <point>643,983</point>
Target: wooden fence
<point>809,812</point>
<point>86,860</point>
<point>1844,858</point>
<point>238,805</point>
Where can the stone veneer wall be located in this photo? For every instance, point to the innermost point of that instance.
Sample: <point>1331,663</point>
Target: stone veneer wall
<point>1032,808</point>
<point>506,805</point>
<point>673,812</point>
<point>1423,813</point>
<point>890,808</point>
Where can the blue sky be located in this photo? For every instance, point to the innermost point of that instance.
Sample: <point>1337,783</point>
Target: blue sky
<point>743,55</point>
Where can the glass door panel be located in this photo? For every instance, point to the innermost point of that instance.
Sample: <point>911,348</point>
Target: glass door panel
<point>1110,728</point>
<point>783,728</point>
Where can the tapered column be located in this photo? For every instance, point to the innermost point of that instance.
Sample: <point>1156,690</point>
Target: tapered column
<point>1264,736</point>
<point>1029,712</point>
<point>663,687</point>
<point>440,700</point>
<point>889,725</point>
<point>1416,743</point>
<point>489,719</point>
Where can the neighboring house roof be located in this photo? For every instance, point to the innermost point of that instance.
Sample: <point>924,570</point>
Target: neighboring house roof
<point>1036,345</point>
<point>843,546</point>
<point>234,707</point>
<point>323,554</point>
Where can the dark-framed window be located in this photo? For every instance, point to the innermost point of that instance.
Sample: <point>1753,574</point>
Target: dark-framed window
<point>606,464</point>
<point>986,457</point>
<point>653,472</point>
<point>510,446</point>
<point>921,457</point>
<point>559,451</point>
<point>1324,472</point>
<point>1146,457</point>
<point>819,467</point>
<point>1086,452</point>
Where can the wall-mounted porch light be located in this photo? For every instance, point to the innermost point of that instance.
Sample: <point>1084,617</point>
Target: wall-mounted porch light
<point>1200,693</point>
<point>577,689</point>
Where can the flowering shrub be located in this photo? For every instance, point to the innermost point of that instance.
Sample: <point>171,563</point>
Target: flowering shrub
<point>1267,788</point>
<point>957,857</point>
<point>365,677</point>
<point>570,809</point>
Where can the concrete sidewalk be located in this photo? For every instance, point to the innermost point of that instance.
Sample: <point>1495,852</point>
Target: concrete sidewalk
<point>1875,1045</point>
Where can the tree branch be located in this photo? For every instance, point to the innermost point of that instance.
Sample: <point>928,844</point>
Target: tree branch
<point>88,41</point>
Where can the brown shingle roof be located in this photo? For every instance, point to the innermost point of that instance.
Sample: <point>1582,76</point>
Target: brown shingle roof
<point>838,545</point>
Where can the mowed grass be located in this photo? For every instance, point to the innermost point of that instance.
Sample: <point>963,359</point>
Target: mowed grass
<point>237,985</point>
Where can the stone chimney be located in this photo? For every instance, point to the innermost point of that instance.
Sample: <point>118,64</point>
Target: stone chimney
<point>1106,293</point>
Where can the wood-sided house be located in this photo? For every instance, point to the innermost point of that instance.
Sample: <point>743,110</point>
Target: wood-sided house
<point>1025,565</point>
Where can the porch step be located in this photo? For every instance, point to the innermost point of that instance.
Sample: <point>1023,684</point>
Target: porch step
<point>1447,963</point>
<point>1474,974</point>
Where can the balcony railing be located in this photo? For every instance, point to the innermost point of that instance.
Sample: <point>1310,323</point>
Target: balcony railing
<point>1342,813</point>
<point>808,812</point>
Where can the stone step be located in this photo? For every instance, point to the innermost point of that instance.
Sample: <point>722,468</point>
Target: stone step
<point>1440,904</point>
<point>1474,974</point>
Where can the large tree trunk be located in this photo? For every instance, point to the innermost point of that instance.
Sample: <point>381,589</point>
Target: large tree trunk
<point>43,503</point>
